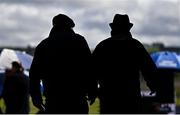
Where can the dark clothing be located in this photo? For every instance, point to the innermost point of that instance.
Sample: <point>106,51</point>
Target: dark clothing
<point>119,61</point>
<point>16,94</point>
<point>165,86</point>
<point>62,62</point>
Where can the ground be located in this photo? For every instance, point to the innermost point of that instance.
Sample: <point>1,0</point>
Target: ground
<point>95,107</point>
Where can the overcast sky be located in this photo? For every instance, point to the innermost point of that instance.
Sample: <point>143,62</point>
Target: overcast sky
<point>27,22</point>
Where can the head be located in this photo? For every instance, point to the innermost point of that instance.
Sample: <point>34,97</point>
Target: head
<point>121,23</point>
<point>62,21</point>
<point>16,66</point>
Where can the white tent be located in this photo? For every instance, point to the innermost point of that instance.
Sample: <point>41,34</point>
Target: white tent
<point>7,56</point>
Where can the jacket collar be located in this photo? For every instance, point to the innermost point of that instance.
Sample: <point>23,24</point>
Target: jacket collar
<point>55,31</point>
<point>121,36</point>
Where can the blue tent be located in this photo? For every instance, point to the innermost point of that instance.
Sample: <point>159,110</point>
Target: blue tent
<point>178,57</point>
<point>166,60</point>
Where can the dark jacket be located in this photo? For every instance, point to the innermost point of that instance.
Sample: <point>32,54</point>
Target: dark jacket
<point>119,61</point>
<point>62,62</point>
<point>16,93</point>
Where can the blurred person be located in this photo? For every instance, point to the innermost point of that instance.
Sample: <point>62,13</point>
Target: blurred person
<point>16,90</point>
<point>118,62</point>
<point>62,62</point>
<point>165,90</point>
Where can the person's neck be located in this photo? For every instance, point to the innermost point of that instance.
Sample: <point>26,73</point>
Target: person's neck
<point>59,30</point>
<point>121,34</point>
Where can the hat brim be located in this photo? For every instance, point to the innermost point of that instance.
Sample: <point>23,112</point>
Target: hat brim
<point>112,25</point>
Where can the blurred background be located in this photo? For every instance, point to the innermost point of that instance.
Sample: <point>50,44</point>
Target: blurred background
<point>24,23</point>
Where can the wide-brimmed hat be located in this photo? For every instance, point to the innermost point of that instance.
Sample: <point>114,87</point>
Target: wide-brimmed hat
<point>121,21</point>
<point>62,20</point>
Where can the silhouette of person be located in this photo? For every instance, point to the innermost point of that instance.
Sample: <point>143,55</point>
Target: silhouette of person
<point>165,87</point>
<point>119,61</point>
<point>62,62</point>
<point>16,90</point>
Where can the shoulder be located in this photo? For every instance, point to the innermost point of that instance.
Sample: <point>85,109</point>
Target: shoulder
<point>137,42</point>
<point>8,72</point>
<point>80,37</point>
<point>139,47</point>
<point>41,45</point>
<point>103,42</point>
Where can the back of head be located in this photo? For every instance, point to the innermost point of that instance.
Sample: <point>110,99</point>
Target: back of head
<point>121,22</point>
<point>17,66</point>
<point>61,20</point>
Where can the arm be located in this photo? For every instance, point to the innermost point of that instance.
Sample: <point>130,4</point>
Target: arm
<point>148,69</point>
<point>96,73</point>
<point>34,76</point>
<point>91,82</point>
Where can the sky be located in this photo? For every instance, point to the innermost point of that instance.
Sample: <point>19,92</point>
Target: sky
<point>27,22</point>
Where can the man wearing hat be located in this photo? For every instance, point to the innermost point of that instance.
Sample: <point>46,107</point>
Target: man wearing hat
<point>62,62</point>
<point>118,62</point>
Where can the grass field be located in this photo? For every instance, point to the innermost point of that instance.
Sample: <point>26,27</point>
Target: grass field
<point>94,109</point>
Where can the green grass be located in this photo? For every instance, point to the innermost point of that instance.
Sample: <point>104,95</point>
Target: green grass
<point>94,109</point>
<point>178,96</point>
<point>178,101</point>
<point>33,109</point>
<point>2,106</point>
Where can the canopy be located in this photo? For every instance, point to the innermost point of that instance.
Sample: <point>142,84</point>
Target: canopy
<point>7,56</point>
<point>166,59</point>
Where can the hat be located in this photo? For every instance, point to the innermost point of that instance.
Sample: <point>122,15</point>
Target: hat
<point>62,20</point>
<point>120,21</point>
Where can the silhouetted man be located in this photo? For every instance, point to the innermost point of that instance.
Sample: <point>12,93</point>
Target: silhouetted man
<point>119,61</point>
<point>62,63</point>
